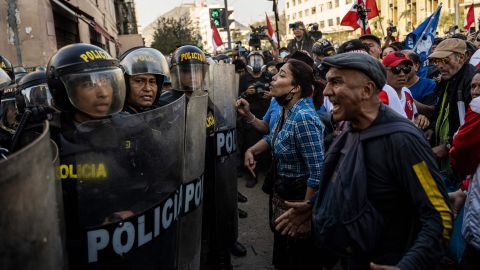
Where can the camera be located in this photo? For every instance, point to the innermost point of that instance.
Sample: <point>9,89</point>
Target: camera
<point>260,89</point>
<point>314,33</point>
<point>257,34</point>
<point>293,25</point>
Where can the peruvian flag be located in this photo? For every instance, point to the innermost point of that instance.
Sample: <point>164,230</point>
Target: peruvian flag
<point>216,39</point>
<point>270,31</point>
<point>353,20</point>
<point>470,18</point>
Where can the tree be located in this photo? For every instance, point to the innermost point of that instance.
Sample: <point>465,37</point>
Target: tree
<point>173,32</point>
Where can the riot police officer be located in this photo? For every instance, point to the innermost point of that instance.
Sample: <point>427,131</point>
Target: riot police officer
<point>32,90</point>
<point>7,111</point>
<point>6,65</point>
<point>145,71</point>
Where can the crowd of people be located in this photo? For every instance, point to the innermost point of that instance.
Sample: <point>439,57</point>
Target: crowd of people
<point>370,154</point>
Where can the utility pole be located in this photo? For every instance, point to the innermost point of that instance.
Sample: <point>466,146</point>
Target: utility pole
<point>457,13</point>
<point>226,13</point>
<point>275,11</point>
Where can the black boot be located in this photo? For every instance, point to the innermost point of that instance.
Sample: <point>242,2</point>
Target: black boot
<point>242,214</point>
<point>241,198</point>
<point>238,249</point>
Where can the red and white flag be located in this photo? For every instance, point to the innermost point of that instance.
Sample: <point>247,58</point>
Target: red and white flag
<point>216,39</point>
<point>372,5</point>
<point>470,18</point>
<point>353,20</point>
<point>270,31</point>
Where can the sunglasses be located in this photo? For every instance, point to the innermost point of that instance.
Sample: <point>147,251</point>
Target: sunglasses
<point>437,61</point>
<point>396,70</point>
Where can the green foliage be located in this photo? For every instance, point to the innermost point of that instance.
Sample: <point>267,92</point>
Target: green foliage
<point>171,33</point>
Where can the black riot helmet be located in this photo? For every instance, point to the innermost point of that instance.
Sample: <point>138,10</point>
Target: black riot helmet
<point>255,62</point>
<point>86,78</point>
<point>32,90</point>
<point>189,69</point>
<point>144,60</point>
<point>6,65</point>
<point>323,48</point>
<point>8,109</point>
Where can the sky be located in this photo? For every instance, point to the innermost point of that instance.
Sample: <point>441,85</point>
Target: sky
<point>246,11</point>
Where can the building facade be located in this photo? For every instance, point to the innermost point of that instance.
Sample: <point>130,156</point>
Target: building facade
<point>36,29</point>
<point>326,13</point>
<point>406,14</point>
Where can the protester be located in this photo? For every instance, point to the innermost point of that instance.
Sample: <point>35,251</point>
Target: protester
<point>297,146</point>
<point>388,49</point>
<point>374,44</point>
<point>465,158</point>
<point>421,88</point>
<point>454,87</point>
<point>385,205</point>
<point>398,69</point>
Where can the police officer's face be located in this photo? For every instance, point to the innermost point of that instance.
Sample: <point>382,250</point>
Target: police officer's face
<point>95,99</point>
<point>191,78</point>
<point>143,90</point>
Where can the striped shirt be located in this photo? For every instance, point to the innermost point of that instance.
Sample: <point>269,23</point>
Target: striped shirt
<point>298,147</point>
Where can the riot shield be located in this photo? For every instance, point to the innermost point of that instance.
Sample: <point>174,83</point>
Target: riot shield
<point>224,82</point>
<point>29,219</point>
<point>193,180</point>
<point>122,188</point>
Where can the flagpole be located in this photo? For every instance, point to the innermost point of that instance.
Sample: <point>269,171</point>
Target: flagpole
<point>428,25</point>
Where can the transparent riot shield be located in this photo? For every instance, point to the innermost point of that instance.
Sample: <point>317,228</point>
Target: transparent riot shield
<point>29,220</point>
<point>223,96</point>
<point>122,188</point>
<point>193,179</point>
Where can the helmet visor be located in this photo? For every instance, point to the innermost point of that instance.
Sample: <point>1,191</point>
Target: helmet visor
<point>145,61</point>
<point>37,95</point>
<point>4,79</point>
<point>98,93</point>
<point>8,112</point>
<point>190,77</point>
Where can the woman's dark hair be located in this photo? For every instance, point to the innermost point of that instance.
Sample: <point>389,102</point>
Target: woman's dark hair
<point>303,76</point>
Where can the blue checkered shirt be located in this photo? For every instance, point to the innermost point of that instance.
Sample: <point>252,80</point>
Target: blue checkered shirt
<point>298,147</point>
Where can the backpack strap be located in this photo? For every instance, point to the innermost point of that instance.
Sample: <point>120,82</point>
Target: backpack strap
<point>389,128</point>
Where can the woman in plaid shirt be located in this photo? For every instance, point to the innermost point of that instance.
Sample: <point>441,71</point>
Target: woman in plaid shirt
<point>297,147</point>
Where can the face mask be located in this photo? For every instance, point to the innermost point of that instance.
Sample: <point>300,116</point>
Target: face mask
<point>285,99</point>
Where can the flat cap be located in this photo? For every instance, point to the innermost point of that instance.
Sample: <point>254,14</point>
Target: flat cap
<point>361,62</point>
<point>449,46</point>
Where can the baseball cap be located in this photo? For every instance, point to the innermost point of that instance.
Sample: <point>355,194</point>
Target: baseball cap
<point>449,46</point>
<point>394,59</point>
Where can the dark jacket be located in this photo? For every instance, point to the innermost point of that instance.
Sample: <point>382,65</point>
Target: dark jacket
<point>457,87</point>
<point>305,44</point>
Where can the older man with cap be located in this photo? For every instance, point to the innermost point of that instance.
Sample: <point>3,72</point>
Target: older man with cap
<point>453,93</point>
<point>381,203</point>
<point>374,44</point>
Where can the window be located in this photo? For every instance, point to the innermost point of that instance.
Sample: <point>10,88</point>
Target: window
<point>337,3</point>
<point>330,22</point>
<point>321,8</point>
<point>322,24</point>
<point>293,2</point>
<point>348,1</point>
<point>294,16</point>
<point>288,17</point>
<point>329,5</point>
<point>338,20</point>
<point>307,12</point>
<point>300,14</point>
<point>299,2</point>
<point>314,10</point>
<point>288,5</point>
